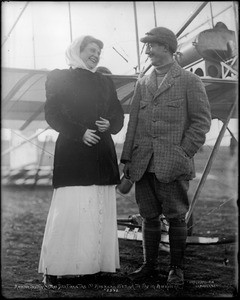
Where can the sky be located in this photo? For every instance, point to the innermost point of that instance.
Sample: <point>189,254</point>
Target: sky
<point>42,33</point>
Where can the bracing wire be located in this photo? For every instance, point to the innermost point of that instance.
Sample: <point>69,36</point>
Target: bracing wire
<point>213,210</point>
<point>41,148</point>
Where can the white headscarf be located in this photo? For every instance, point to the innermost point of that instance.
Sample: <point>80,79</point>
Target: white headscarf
<point>72,55</point>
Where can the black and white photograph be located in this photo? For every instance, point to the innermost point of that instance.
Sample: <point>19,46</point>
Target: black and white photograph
<point>119,138</point>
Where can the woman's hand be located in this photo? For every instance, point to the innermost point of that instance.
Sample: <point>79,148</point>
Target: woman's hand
<point>103,124</point>
<point>90,138</point>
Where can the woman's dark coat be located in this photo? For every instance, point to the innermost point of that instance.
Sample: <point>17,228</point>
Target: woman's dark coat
<point>76,99</point>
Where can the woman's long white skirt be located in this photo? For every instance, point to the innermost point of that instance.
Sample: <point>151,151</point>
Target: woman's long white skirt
<point>81,232</point>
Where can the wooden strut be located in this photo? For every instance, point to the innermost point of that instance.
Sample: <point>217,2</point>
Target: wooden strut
<point>136,30</point>
<point>15,23</point>
<point>184,26</point>
<point>70,21</point>
<point>210,161</point>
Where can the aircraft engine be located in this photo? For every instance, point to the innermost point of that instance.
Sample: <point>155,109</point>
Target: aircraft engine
<point>203,53</point>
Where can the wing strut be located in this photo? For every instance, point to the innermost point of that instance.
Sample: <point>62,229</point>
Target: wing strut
<point>8,35</point>
<point>184,26</point>
<point>210,161</point>
<point>197,11</point>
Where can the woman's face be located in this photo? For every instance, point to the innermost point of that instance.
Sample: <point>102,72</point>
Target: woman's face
<point>91,55</point>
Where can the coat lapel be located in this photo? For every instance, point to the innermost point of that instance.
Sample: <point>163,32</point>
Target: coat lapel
<point>167,83</point>
<point>151,83</point>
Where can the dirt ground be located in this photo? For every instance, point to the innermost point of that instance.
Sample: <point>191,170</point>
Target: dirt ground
<point>210,271</point>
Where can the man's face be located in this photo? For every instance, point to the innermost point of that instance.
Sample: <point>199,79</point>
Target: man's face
<point>91,55</point>
<point>157,53</point>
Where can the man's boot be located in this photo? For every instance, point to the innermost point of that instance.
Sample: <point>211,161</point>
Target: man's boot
<point>151,231</point>
<point>177,239</point>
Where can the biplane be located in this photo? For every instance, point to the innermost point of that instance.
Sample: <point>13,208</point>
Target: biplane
<point>211,54</point>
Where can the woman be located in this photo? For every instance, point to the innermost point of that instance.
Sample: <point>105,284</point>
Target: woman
<point>82,105</point>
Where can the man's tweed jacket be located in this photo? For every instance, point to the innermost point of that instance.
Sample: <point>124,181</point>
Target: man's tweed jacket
<point>169,122</point>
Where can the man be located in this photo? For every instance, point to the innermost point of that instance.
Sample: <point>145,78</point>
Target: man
<point>169,118</point>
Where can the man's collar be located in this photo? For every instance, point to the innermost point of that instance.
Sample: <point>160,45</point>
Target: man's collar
<point>162,70</point>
